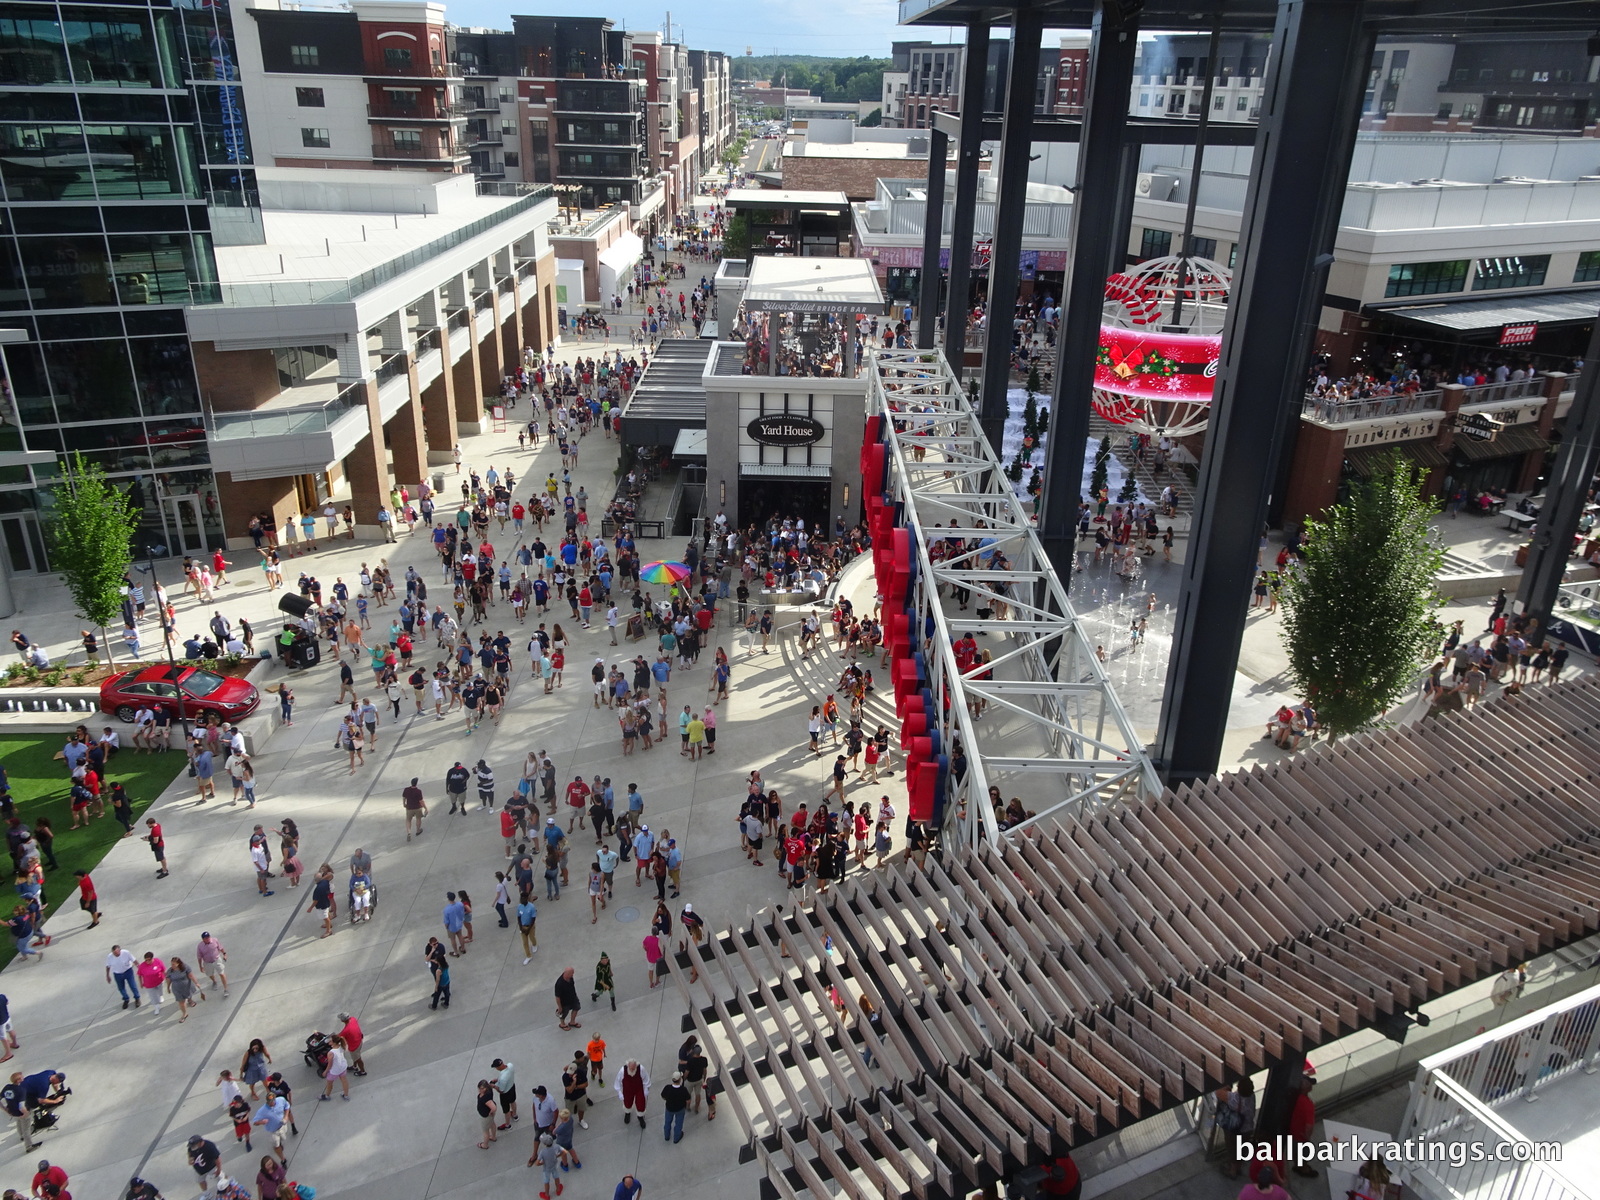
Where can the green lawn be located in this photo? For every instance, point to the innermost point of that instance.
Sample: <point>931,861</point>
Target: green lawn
<point>40,784</point>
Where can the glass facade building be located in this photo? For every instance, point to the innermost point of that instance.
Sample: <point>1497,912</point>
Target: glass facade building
<point>119,125</point>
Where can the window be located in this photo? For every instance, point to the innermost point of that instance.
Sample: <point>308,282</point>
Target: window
<point>1202,247</point>
<point>1459,74</point>
<point>1155,243</point>
<point>1527,270</point>
<point>1519,72</point>
<point>309,98</point>
<point>397,58</point>
<point>1588,267</point>
<point>508,96</point>
<point>1486,74</point>
<point>1244,102</point>
<point>1469,112</point>
<point>1427,279</point>
<point>1541,76</point>
<point>314,139</point>
<point>1144,99</point>
<point>1219,102</point>
<point>407,138</point>
<point>1563,76</point>
<point>304,56</point>
<point>1444,113</point>
<point>512,158</point>
<point>508,129</point>
<point>1233,255</point>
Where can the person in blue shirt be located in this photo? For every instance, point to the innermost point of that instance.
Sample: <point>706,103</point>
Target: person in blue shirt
<point>455,920</point>
<point>629,1189</point>
<point>527,925</point>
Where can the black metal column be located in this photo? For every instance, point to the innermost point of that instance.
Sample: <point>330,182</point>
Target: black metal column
<point>1097,221</point>
<point>1311,102</point>
<point>1010,173</point>
<point>974,71</point>
<point>1122,224</point>
<point>932,233</point>
<point>1565,495</point>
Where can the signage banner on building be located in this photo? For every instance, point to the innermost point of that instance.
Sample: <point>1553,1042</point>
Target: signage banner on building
<point>1028,268</point>
<point>1029,263</point>
<point>1480,426</point>
<point>785,429</point>
<point>1519,335</point>
<point>1157,366</point>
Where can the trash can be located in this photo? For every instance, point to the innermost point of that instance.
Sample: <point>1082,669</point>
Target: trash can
<point>305,654</point>
<point>438,482</point>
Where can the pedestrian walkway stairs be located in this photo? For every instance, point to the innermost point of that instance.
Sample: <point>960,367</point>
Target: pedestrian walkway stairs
<point>1180,474</point>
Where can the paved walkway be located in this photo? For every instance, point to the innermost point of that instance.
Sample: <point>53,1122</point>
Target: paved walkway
<point>143,1084</point>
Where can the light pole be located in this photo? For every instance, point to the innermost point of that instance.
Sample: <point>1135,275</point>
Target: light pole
<point>161,619</point>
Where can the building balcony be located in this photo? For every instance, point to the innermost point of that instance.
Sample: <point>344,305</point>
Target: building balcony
<point>418,152</point>
<point>285,437</point>
<point>412,70</point>
<point>416,112</point>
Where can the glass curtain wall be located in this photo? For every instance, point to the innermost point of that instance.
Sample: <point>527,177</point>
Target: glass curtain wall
<point>117,123</point>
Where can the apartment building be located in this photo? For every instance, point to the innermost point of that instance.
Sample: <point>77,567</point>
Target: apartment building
<point>127,160</point>
<point>344,354</point>
<point>1169,76</point>
<point>370,86</point>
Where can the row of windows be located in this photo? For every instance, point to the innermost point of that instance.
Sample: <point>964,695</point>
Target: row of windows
<point>108,161</point>
<point>1515,74</point>
<point>88,46</point>
<point>1176,103</point>
<point>1157,243</point>
<point>93,271</point>
<point>1491,274</point>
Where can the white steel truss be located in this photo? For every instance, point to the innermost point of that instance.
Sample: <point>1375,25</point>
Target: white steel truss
<point>1056,713</point>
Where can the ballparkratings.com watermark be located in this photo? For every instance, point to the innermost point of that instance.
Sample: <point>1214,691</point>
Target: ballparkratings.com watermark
<point>1354,1151</point>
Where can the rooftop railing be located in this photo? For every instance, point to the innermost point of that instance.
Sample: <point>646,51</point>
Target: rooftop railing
<point>336,291</point>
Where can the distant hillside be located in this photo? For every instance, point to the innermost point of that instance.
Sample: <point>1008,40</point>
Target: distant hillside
<point>834,79</point>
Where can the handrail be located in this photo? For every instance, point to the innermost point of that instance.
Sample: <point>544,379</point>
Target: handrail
<point>1332,410</point>
<point>282,422</point>
<point>335,291</point>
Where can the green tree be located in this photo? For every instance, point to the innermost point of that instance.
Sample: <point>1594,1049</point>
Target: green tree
<point>1358,610</point>
<point>91,531</point>
<point>873,118</point>
<point>736,241</point>
<point>1102,471</point>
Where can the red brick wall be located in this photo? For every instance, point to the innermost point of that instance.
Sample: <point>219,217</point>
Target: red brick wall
<point>857,178</point>
<point>235,380</point>
<point>1314,477</point>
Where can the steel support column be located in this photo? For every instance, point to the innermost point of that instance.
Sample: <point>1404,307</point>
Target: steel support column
<point>1565,495</point>
<point>974,71</point>
<point>1010,174</point>
<point>1096,219</point>
<point>1310,105</point>
<point>932,235</point>
<point>1122,223</point>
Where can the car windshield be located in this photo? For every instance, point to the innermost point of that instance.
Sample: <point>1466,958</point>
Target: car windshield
<point>200,684</point>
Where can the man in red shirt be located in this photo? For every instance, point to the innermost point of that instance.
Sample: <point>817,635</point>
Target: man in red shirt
<point>704,617</point>
<point>353,1037</point>
<point>577,801</point>
<point>48,1173</point>
<point>88,899</point>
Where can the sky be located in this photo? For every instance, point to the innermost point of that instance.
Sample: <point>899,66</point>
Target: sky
<point>831,28</point>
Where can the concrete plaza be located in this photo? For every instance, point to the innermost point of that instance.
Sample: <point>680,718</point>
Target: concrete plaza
<point>143,1084</point>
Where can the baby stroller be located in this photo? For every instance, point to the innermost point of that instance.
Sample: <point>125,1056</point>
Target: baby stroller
<point>363,897</point>
<point>317,1050</point>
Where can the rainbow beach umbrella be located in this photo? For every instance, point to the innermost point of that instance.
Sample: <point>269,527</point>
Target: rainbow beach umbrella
<point>664,572</point>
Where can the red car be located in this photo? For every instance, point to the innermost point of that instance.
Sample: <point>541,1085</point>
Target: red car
<point>203,692</point>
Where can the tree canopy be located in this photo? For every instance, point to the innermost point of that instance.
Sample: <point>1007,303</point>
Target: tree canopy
<point>90,530</point>
<point>1358,609</point>
<point>836,80</point>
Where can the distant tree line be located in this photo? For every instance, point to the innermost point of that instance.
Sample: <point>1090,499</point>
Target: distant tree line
<point>834,79</point>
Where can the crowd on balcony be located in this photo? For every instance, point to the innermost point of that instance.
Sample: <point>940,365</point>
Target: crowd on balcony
<point>1328,397</point>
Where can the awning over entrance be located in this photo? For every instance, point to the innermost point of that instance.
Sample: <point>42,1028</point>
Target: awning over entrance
<point>1571,307</point>
<point>1518,439</point>
<point>690,443</point>
<point>1363,459</point>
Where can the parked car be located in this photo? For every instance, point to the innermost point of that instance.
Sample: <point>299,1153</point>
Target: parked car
<point>203,692</point>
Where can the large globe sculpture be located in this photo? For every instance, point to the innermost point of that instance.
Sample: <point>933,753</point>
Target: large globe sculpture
<point>1157,361</point>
